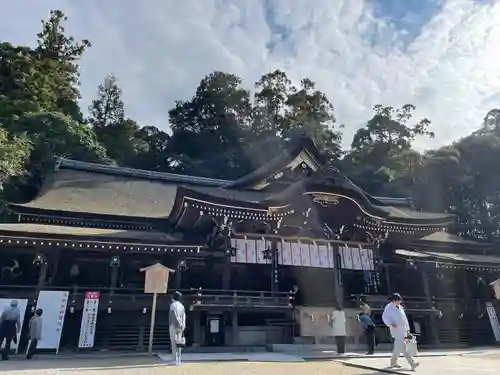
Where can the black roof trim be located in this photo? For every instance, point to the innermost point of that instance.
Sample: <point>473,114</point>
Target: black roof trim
<point>63,163</point>
<point>84,216</point>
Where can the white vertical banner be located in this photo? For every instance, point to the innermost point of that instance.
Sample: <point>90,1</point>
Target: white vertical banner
<point>313,249</point>
<point>305,255</point>
<point>331,257</point>
<point>347,256</point>
<point>287,253</point>
<point>89,320</point>
<point>53,303</point>
<point>323,256</point>
<point>251,253</point>
<point>241,250</point>
<point>280,252</point>
<point>21,305</point>
<point>365,260</point>
<point>296,259</point>
<point>356,258</point>
<point>492,315</point>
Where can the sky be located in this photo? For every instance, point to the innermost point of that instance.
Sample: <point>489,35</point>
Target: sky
<point>436,54</point>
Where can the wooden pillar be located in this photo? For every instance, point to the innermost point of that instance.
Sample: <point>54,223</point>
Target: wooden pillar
<point>197,329</point>
<point>234,327</point>
<point>337,287</point>
<point>387,276</point>
<point>115,271</point>
<point>433,321</point>
<point>178,279</point>
<point>44,267</point>
<point>465,284</point>
<point>55,267</point>
<point>226,273</point>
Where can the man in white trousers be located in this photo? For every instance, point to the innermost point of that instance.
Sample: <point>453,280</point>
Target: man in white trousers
<point>177,325</point>
<point>394,317</point>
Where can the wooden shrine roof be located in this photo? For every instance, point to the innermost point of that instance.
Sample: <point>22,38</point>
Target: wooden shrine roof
<point>453,258</point>
<point>86,190</point>
<point>444,238</point>
<point>80,192</point>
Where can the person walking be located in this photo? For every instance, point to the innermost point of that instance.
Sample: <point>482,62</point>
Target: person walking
<point>10,326</point>
<point>338,324</point>
<point>35,333</point>
<point>394,317</point>
<point>177,325</point>
<point>369,330</point>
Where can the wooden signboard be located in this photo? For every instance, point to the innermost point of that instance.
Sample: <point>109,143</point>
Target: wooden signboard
<point>156,278</point>
<point>156,283</point>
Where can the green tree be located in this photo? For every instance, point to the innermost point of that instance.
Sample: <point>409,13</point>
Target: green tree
<point>381,153</point>
<point>51,135</point>
<point>54,134</point>
<point>121,137</point>
<point>156,156</point>
<point>60,54</point>
<point>108,107</point>
<point>24,87</point>
<point>14,153</point>
<point>464,178</point>
<point>208,130</point>
<point>281,109</point>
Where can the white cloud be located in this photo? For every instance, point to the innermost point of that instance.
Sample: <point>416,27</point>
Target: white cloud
<point>160,49</point>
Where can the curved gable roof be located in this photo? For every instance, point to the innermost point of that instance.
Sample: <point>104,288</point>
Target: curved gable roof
<point>300,144</point>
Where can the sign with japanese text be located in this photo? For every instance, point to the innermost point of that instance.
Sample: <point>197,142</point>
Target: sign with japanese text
<point>53,303</point>
<point>156,278</point>
<point>89,320</point>
<point>492,315</point>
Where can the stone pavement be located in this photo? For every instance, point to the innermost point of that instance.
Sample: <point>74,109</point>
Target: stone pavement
<point>486,363</point>
<point>154,366</point>
<point>234,357</point>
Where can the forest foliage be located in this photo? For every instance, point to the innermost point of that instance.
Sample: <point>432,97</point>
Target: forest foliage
<point>217,131</point>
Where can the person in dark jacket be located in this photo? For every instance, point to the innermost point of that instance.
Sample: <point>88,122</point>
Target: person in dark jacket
<point>10,325</point>
<point>35,333</point>
<point>369,331</point>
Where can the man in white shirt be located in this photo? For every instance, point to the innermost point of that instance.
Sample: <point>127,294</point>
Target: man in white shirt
<point>177,325</point>
<point>394,317</point>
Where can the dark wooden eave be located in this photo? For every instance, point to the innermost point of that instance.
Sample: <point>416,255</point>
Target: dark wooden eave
<point>53,236</point>
<point>443,259</point>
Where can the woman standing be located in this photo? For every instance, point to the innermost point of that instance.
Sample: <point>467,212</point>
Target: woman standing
<point>338,322</point>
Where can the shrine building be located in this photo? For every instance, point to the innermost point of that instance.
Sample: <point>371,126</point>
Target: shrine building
<point>260,260</point>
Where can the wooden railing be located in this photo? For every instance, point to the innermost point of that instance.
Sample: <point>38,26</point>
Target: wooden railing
<point>130,298</point>
<point>419,303</point>
<point>240,299</point>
